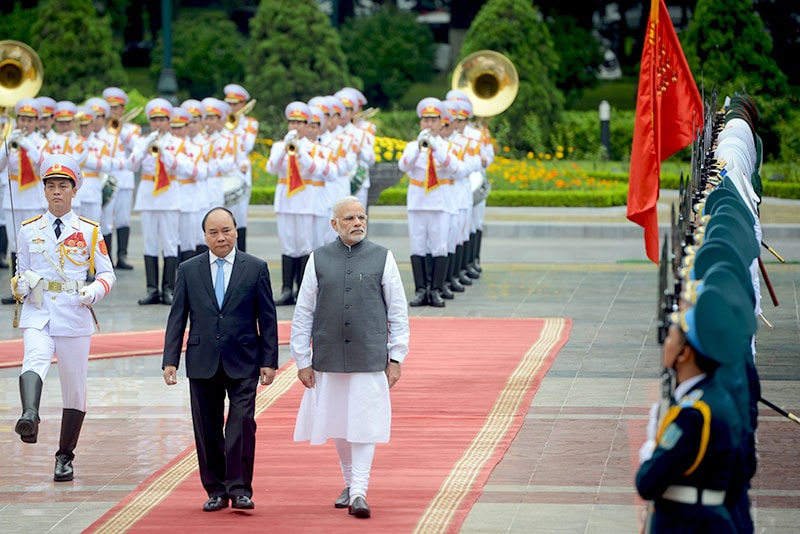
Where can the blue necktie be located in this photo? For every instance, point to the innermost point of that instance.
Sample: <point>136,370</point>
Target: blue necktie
<point>219,287</point>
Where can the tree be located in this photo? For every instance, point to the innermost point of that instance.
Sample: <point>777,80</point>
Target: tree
<point>727,45</point>
<point>516,29</point>
<point>394,51</point>
<point>76,49</point>
<point>293,54</point>
<point>580,56</point>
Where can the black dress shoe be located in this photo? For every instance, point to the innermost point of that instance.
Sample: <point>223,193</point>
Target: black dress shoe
<point>343,500</point>
<point>8,300</point>
<point>215,504</point>
<point>243,502</point>
<point>359,508</point>
<point>153,297</point>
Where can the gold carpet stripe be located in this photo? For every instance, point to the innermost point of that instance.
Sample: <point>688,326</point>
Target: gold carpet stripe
<point>458,483</point>
<point>159,489</point>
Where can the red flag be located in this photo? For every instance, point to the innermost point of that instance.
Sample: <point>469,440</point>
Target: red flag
<point>431,178</point>
<point>294,181</point>
<point>668,110</point>
<point>162,178</point>
<point>27,176</point>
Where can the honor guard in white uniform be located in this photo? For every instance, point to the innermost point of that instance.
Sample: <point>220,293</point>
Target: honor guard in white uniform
<point>158,200</point>
<point>245,130</point>
<point>484,139</point>
<point>117,211</point>
<point>67,141</point>
<point>47,118</point>
<point>99,161</point>
<point>26,149</point>
<point>226,154</point>
<point>363,142</point>
<point>4,119</point>
<point>195,133</point>
<point>327,173</point>
<point>188,183</point>
<point>293,161</point>
<point>343,142</point>
<point>428,161</point>
<point>57,250</point>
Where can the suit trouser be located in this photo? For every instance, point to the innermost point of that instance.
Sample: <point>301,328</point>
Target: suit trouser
<point>73,362</point>
<point>225,458</point>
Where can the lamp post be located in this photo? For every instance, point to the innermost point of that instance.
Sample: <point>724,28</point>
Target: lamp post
<point>167,83</point>
<point>605,128</point>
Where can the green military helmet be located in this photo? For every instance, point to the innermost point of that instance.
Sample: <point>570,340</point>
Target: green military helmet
<point>715,250</point>
<point>721,195</point>
<point>742,236</point>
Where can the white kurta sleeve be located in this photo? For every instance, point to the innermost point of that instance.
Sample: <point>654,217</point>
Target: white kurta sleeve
<point>396,309</point>
<point>303,318</point>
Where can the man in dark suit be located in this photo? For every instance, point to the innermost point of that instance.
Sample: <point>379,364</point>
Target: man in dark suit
<point>233,341</point>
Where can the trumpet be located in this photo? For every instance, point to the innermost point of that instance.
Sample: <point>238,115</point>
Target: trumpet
<point>233,119</point>
<point>425,139</point>
<point>291,148</point>
<point>13,140</point>
<point>152,143</point>
<point>114,124</point>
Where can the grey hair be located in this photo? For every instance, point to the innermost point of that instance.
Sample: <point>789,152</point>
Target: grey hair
<point>343,202</point>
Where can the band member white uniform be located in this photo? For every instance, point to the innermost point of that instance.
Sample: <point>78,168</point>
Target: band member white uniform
<point>158,200</point>
<point>117,212</point>
<point>364,137</point>
<point>427,161</point>
<point>245,135</point>
<point>57,251</point>
<point>197,116</point>
<point>189,183</point>
<point>227,156</point>
<point>293,161</point>
<point>46,120</point>
<point>22,165</point>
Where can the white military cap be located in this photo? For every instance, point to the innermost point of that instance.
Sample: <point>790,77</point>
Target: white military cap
<point>430,107</point>
<point>61,166</point>
<point>335,105</point>
<point>466,109</point>
<point>99,106</point>
<point>455,94</point>
<point>215,106</point>
<point>298,111</point>
<point>65,110</point>
<point>85,115</point>
<point>317,115</point>
<point>235,93</point>
<point>158,107</point>
<point>454,107</point>
<point>28,107</point>
<point>115,96</point>
<point>180,117</point>
<point>194,107</point>
<point>348,98</point>
<point>48,105</point>
<point>320,102</point>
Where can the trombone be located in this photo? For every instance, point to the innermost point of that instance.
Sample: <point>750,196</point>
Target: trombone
<point>232,122</point>
<point>114,125</point>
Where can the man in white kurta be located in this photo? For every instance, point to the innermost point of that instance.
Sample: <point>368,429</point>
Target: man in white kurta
<point>354,290</point>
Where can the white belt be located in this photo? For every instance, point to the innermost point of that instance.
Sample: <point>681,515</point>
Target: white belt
<point>57,286</point>
<point>692,495</point>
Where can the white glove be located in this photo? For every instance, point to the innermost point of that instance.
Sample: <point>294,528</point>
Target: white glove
<point>290,135</point>
<point>26,143</point>
<point>439,148</point>
<point>87,295</point>
<point>20,286</point>
<point>424,134</point>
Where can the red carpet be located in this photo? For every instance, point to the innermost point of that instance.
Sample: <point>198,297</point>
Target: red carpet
<point>464,393</point>
<point>117,345</point>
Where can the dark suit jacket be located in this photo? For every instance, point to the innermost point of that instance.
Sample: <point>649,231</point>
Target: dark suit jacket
<point>243,335</point>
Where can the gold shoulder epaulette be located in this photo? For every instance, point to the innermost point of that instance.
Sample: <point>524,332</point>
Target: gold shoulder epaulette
<point>32,219</point>
<point>84,219</point>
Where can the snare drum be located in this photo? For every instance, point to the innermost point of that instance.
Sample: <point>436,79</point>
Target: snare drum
<point>234,189</point>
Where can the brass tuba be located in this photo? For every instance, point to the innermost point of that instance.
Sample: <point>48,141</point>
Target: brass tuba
<point>233,119</point>
<point>21,76</point>
<point>490,81</point>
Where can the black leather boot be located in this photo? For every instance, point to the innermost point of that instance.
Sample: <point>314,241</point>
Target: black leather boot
<point>476,253</point>
<point>455,284</point>
<point>123,234</point>
<point>439,273</point>
<point>151,273</point>
<point>461,272</point>
<point>3,247</point>
<point>109,240</point>
<point>71,423</point>
<point>299,272</point>
<point>10,300</point>
<point>421,292</point>
<point>287,268</point>
<point>469,252</point>
<point>447,292</point>
<point>30,393</point>
<point>168,280</point>
<point>241,239</point>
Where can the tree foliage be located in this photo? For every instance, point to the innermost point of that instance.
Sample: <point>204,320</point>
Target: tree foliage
<point>16,25</point>
<point>390,51</point>
<point>293,54</point>
<point>580,57</point>
<point>76,49</point>
<point>206,54</point>
<point>727,45</point>
<point>516,29</point>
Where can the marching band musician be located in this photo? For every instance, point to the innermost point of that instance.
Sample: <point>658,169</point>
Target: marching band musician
<point>427,161</point>
<point>188,184</point>
<point>328,172</point>
<point>363,143</point>
<point>227,156</point>
<point>484,139</point>
<point>158,201</point>
<point>245,134</point>
<point>367,159</point>
<point>197,115</point>
<point>67,141</point>
<point>57,251</point>
<point>332,188</point>
<point>117,212</point>
<point>293,161</point>
<point>101,158</point>
<point>467,152</point>
<point>342,143</point>
<point>22,164</point>
<point>46,120</point>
